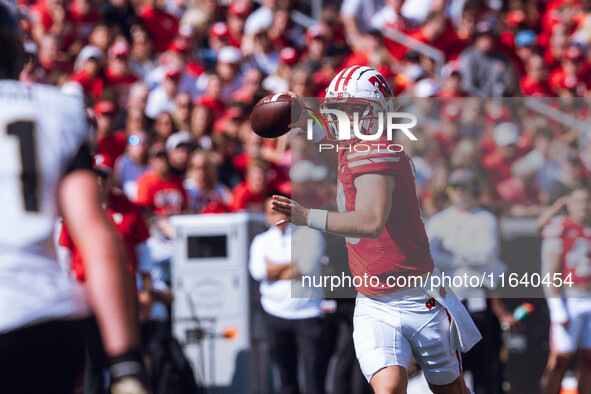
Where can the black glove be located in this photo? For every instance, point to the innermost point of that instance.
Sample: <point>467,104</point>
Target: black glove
<point>128,374</point>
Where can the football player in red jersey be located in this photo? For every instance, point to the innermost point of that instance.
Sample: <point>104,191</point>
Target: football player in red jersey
<point>45,169</point>
<point>378,213</point>
<point>566,255</point>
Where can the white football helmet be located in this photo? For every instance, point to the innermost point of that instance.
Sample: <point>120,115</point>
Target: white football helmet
<point>357,89</point>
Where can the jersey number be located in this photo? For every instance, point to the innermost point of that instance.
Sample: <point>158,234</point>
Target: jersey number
<point>25,132</point>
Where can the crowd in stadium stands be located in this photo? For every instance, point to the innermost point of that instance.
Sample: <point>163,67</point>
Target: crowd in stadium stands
<point>169,86</point>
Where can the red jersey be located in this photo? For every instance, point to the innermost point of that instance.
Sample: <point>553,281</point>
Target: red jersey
<point>573,242</point>
<point>113,145</point>
<point>165,197</point>
<point>244,199</point>
<point>92,87</point>
<point>130,224</point>
<point>403,248</point>
<point>529,87</point>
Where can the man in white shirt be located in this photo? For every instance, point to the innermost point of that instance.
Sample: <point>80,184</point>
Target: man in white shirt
<point>292,312</point>
<point>464,239</point>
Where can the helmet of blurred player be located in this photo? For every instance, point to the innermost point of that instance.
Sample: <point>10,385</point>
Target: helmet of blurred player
<point>12,49</point>
<point>363,90</point>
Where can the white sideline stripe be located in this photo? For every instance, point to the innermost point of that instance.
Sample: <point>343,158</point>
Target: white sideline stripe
<point>375,160</point>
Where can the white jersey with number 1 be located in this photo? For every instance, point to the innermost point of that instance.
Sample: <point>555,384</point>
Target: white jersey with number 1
<point>42,132</point>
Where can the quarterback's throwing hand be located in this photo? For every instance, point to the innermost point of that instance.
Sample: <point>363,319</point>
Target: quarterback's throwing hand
<point>294,212</point>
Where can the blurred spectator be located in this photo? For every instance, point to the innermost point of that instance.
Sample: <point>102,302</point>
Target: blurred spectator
<point>451,85</point>
<point>540,160</point>
<point>261,18</point>
<point>119,16</point>
<point>118,74</point>
<point>449,135</point>
<point>182,111</point>
<point>202,185</point>
<point>279,80</point>
<point>464,240</point>
<point>109,142</point>
<point>519,194</point>
<point>294,324</point>
<point>262,54</point>
<point>201,123</point>
<point>535,81</point>
<point>251,87</point>
<point>249,194</point>
<point>570,177</point>
<point>486,72</point>
<point>178,148</point>
<point>236,18</point>
<point>101,37</point>
<point>132,164</point>
<point>316,47</point>
<point>356,16</point>
<point>162,99</point>
<point>142,56</point>
<point>497,163</point>
<point>436,197</point>
<point>160,191</point>
<point>163,127</point>
<point>87,72</point>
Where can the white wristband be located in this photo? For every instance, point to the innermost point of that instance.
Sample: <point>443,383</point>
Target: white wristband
<point>557,309</point>
<point>317,219</point>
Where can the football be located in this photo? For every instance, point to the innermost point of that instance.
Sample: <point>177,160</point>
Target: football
<point>271,116</point>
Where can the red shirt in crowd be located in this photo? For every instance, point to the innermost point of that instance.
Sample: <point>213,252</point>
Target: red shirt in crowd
<point>164,196</point>
<point>92,87</point>
<point>161,26</point>
<point>40,13</point>
<point>529,87</point>
<point>244,199</point>
<point>113,145</point>
<point>130,224</point>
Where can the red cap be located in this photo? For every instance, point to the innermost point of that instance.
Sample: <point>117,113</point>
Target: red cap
<point>288,55</point>
<point>239,8</point>
<point>573,52</point>
<point>218,30</point>
<point>451,111</point>
<point>515,17</point>
<point>103,163</point>
<point>119,49</point>
<point>172,72</point>
<point>316,31</point>
<point>105,107</point>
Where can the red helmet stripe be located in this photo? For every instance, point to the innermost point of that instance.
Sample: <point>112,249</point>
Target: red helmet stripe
<point>345,81</point>
<point>337,79</point>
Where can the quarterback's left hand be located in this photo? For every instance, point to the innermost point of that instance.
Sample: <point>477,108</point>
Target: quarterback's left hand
<point>294,212</point>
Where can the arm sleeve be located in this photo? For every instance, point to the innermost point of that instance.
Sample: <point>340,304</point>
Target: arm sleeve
<point>308,258</point>
<point>257,264</point>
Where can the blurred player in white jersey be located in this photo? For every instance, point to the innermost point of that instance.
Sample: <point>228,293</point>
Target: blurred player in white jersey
<point>378,213</point>
<point>566,251</point>
<point>46,169</point>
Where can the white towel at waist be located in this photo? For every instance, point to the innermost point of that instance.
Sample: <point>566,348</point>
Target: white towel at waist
<point>463,332</point>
